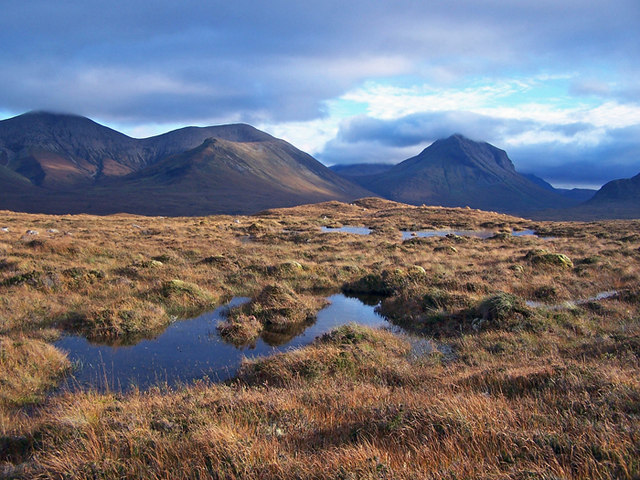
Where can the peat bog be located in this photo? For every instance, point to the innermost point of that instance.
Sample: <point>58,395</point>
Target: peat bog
<point>516,388</point>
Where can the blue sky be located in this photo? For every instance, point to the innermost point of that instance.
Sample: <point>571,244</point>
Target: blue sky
<point>553,83</point>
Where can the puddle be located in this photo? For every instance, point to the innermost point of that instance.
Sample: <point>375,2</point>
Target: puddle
<point>524,233</point>
<point>347,229</point>
<point>406,235</point>
<point>245,238</point>
<point>482,234</point>
<point>192,349</point>
<point>572,303</point>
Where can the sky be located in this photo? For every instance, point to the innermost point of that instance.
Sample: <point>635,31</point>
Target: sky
<point>554,83</point>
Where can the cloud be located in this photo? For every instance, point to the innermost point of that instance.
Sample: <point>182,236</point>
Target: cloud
<point>557,152</point>
<point>281,60</point>
<point>563,165</point>
<point>423,128</point>
<point>548,81</point>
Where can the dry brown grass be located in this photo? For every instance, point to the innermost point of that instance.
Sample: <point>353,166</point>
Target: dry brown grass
<point>513,392</point>
<point>28,367</point>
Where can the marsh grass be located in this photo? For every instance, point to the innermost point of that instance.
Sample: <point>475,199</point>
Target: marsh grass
<point>520,392</point>
<point>277,309</point>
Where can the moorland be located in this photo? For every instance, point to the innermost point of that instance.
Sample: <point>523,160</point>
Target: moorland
<point>523,381</point>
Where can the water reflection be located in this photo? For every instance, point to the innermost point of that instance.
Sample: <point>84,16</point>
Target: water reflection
<point>572,303</point>
<point>192,349</point>
<point>347,229</point>
<point>482,234</point>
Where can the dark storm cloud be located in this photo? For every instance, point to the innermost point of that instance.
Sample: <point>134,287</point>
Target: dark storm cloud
<point>617,156</point>
<point>168,61</point>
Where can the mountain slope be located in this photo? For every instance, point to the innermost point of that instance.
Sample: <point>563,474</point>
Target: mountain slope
<point>620,192</point>
<point>361,169</point>
<point>66,164</point>
<point>59,150</point>
<point>55,151</point>
<point>232,177</point>
<point>460,172</point>
<point>576,195</point>
<point>618,199</point>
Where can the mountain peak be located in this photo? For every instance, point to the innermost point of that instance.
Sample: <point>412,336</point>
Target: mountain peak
<point>49,113</point>
<point>458,137</point>
<point>622,190</point>
<point>458,149</point>
<point>458,171</point>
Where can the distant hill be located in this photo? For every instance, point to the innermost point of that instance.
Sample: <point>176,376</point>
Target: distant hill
<point>625,191</point>
<point>458,172</point>
<point>618,199</point>
<point>577,195</point>
<point>361,169</point>
<point>54,163</point>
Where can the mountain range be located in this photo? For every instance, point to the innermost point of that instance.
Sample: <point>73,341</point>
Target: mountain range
<point>55,163</point>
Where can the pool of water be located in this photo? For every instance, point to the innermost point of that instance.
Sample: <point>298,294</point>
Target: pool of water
<point>572,303</point>
<point>407,234</point>
<point>192,349</point>
<point>347,229</point>
<point>443,233</point>
<point>482,234</point>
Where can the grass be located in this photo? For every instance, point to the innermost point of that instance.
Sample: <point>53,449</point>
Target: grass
<point>277,309</point>
<point>28,367</point>
<point>509,392</point>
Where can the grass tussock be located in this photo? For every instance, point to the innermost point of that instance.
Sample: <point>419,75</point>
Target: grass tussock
<point>353,351</point>
<point>277,309</point>
<point>28,367</point>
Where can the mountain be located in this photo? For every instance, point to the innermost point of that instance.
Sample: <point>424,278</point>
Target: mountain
<point>625,191</point>
<point>457,171</point>
<point>618,199</point>
<point>577,195</point>
<point>53,163</point>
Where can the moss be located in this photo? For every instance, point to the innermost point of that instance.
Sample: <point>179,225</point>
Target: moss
<point>179,287</point>
<point>505,311</point>
<point>544,257</point>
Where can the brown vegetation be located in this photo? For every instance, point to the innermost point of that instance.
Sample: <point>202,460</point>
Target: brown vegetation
<point>503,390</point>
<point>276,309</point>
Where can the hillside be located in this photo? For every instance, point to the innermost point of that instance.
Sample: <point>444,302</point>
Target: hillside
<point>618,199</point>
<point>577,195</point>
<point>361,169</point>
<point>460,172</point>
<point>53,163</point>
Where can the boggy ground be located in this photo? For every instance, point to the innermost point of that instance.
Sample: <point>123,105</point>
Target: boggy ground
<point>513,392</point>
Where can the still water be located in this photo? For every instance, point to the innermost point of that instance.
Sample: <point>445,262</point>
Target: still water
<point>192,349</point>
<point>482,234</point>
<point>347,229</point>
